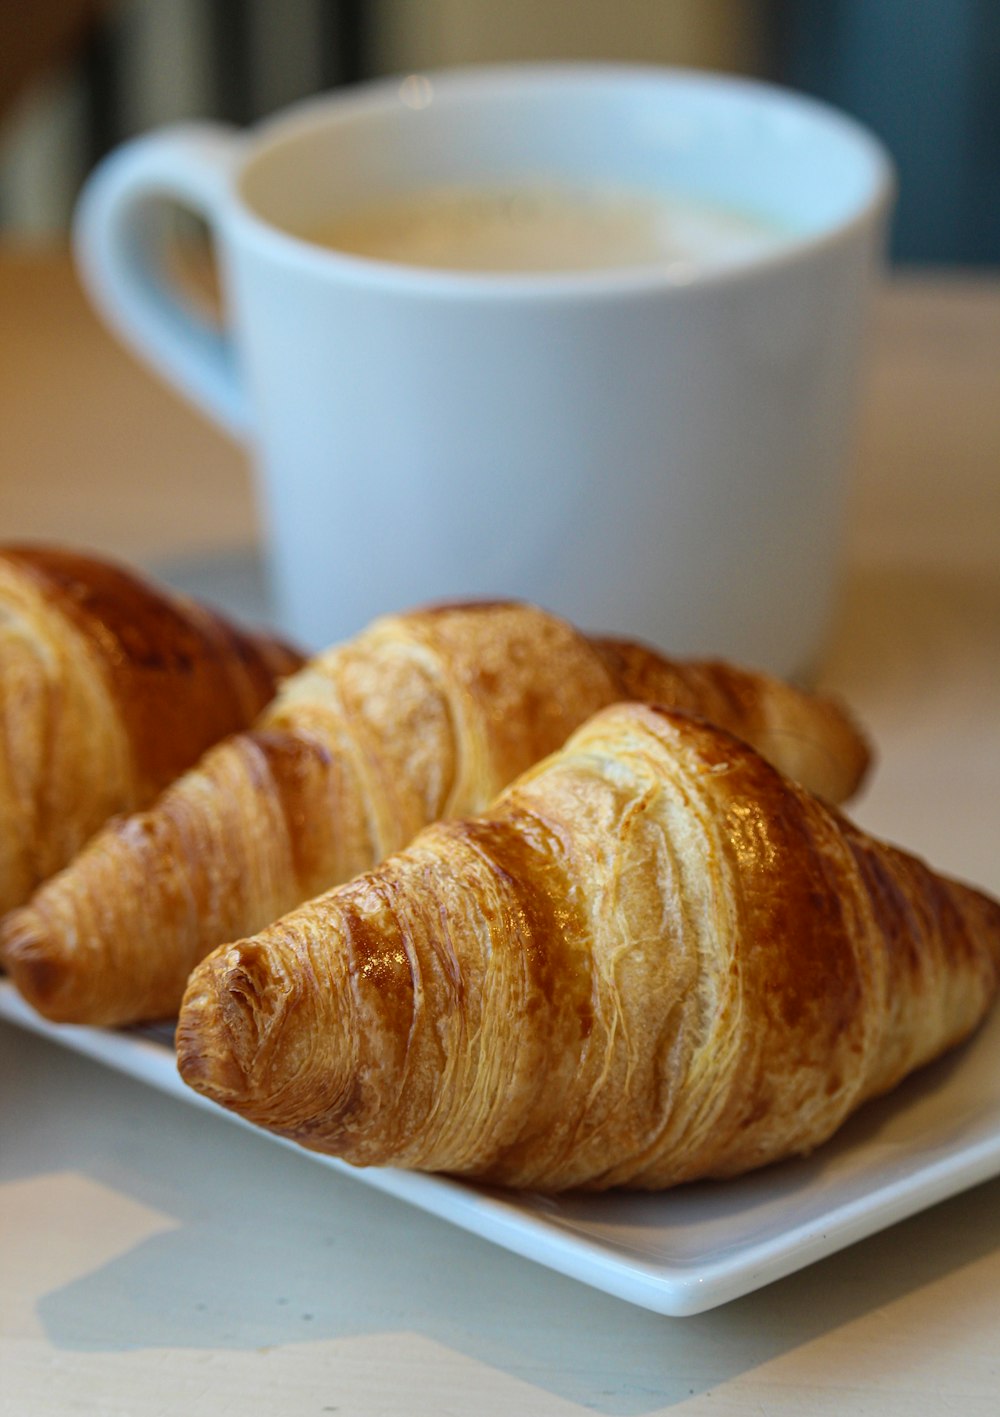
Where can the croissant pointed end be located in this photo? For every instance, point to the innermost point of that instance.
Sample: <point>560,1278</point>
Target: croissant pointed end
<point>260,1035</point>
<point>44,975</point>
<point>219,1032</point>
<point>982,914</point>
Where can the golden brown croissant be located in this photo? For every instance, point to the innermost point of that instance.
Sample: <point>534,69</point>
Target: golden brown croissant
<point>109,687</point>
<point>423,716</point>
<point>654,959</point>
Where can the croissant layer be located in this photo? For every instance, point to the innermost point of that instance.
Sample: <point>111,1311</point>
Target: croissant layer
<point>424,716</point>
<point>109,688</point>
<point>654,959</point>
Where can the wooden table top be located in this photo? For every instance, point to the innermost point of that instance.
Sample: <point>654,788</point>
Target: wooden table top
<point>155,1261</point>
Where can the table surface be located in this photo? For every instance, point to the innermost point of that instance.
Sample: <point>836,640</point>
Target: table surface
<point>155,1260</point>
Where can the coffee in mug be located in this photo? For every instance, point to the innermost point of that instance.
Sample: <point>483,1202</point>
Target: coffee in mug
<point>538,228</point>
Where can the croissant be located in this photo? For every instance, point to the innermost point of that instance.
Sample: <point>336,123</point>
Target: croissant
<point>425,715</point>
<point>109,687</point>
<point>654,959</point>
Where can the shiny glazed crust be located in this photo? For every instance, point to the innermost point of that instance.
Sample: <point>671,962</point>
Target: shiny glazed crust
<point>654,959</point>
<point>109,688</point>
<point>424,716</point>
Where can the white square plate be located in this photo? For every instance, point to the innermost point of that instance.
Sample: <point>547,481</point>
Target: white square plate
<point>680,1252</point>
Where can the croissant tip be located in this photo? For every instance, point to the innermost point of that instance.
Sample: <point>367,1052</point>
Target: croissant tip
<point>45,979</point>
<point>220,1031</point>
<point>246,1037</point>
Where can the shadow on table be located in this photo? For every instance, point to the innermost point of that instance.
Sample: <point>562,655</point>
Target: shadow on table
<point>264,1248</point>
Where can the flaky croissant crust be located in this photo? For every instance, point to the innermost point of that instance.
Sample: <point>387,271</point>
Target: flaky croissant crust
<point>424,715</point>
<point>653,960</point>
<point>109,688</point>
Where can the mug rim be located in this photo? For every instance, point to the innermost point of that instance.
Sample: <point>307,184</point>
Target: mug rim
<point>300,118</point>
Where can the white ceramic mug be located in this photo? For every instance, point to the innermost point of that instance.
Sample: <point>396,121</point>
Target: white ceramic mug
<point>649,452</point>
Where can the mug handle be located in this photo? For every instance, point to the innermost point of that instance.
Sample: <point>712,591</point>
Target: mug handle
<point>120,259</point>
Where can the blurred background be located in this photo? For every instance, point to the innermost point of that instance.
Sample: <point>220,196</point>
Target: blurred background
<point>78,76</point>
